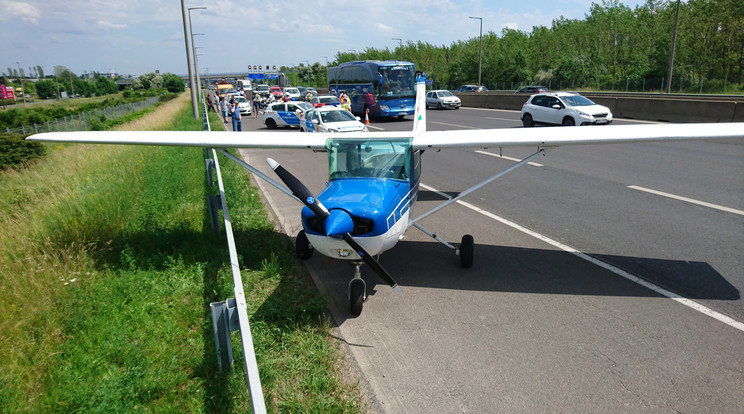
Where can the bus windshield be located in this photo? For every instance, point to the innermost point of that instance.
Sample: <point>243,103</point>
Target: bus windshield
<point>397,81</point>
<point>355,158</point>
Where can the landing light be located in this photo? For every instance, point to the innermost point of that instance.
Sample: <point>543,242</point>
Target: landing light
<point>344,252</point>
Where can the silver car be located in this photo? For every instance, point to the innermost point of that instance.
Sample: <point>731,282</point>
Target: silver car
<point>442,99</point>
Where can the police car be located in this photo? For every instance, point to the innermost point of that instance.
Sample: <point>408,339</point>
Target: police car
<point>330,119</point>
<point>285,114</point>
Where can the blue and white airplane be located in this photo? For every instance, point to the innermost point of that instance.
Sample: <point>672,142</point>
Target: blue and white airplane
<point>374,177</point>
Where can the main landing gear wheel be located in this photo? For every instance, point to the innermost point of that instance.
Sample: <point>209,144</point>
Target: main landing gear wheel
<point>466,251</point>
<point>357,290</point>
<point>303,248</point>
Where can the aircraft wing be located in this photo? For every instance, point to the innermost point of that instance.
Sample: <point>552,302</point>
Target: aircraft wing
<point>476,138</point>
<point>206,139</point>
<point>560,136</point>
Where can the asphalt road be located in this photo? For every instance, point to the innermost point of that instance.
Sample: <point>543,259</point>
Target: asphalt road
<point>535,326</point>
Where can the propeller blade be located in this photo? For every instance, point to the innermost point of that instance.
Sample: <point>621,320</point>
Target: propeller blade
<point>339,223</point>
<point>299,190</point>
<point>372,263</point>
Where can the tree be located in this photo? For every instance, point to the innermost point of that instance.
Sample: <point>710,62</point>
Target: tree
<point>105,86</point>
<point>173,83</point>
<point>46,89</point>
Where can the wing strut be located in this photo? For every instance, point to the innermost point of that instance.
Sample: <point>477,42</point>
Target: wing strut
<point>259,174</point>
<point>540,151</point>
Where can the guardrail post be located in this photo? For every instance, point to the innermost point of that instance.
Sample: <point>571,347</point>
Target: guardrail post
<point>224,321</point>
<point>210,171</point>
<point>214,202</point>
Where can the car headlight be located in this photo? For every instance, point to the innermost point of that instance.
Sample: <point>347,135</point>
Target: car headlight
<point>332,130</point>
<point>384,107</point>
<point>583,114</point>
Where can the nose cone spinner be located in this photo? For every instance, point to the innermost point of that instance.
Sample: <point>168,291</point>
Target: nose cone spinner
<point>338,223</point>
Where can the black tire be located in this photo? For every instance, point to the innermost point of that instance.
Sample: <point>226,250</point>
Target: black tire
<point>303,248</point>
<point>439,106</point>
<point>356,296</point>
<point>527,121</point>
<point>466,251</point>
<point>568,121</point>
<point>270,123</point>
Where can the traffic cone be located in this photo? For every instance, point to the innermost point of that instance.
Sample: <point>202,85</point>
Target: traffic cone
<point>366,117</point>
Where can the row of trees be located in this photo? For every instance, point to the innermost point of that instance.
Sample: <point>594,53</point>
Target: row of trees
<point>612,46</point>
<point>36,72</point>
<point>65,80</point>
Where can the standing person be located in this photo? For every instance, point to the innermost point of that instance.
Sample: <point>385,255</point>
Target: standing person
<point>209,102</point>
<point>256,101</point>
<point>235,114</point>
<point>223,108</point>
<point>345,101</point>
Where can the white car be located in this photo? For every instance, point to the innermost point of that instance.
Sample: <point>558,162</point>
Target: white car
<point>291,94</point>
<point>442,99</point>
<point>563,108</point>
<point>246,108</point>
<point>285,114</point>
<point>331,119</point>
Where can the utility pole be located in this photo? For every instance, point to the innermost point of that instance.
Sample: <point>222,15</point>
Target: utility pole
<point>401,47</point>
<point>671,57</point>
<point>480,49</point>
<point>186,38</point>
<point>193,51</point>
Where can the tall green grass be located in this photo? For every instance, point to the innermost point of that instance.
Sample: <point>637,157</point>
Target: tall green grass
<point>107,269</point>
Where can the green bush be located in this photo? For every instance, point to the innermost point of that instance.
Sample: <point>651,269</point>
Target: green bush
<point>14,150</point>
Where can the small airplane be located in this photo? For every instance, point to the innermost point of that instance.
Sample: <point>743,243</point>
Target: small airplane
<point>374,177</point>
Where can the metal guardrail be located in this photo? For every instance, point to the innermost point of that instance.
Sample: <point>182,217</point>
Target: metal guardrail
<point>232,314</point>
<point>82,121</point>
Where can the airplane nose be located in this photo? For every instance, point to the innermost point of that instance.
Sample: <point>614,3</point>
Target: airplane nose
<point>338,223</point>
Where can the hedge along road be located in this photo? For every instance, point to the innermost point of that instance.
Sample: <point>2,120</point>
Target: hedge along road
<point>531,327</point>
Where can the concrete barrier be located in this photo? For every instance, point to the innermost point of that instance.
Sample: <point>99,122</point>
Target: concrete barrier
<point>649,108</point>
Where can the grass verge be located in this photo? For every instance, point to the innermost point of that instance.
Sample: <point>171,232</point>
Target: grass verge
<point>107,268</point>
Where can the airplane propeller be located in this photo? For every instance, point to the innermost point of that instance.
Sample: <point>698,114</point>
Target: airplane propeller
<point>337,222</point>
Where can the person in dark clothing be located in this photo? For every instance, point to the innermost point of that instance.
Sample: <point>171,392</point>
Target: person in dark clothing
<point>235,114</point>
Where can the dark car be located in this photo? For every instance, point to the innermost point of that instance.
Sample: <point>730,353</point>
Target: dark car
<point>471,88</point>
<point>533,89</point>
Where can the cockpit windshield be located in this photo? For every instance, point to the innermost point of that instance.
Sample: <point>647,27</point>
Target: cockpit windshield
<point>365,158</point>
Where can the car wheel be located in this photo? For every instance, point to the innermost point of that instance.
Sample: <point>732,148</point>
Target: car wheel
<point>439,106</point>
<point>270,123</point>
<point>568,121</point>
<point>527,121</point>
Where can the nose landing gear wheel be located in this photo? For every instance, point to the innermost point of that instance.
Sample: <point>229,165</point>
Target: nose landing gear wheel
<point>303,248</point>
<point>357,291</point>
<point>466,251</point>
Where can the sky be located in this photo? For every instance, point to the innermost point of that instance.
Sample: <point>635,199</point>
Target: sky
<point>133,37</point>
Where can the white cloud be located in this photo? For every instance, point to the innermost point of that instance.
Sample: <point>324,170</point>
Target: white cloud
<point>383,27</point>
<point>103,24</point>
<point>24,11</point>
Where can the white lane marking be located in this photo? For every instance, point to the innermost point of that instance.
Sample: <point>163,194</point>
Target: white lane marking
<point>504,119</point>
<point>566,248</point>
<point>455,125</point>
<point>375,127</point>
<point>534,164</point>
<point>490,109</point>
<point>688,200</point>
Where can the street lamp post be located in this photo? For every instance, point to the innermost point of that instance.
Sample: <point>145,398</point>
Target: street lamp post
<point>480,49</point>
<point>401,47</point>
<point>187,39</point>
<point>20,75</point>
<point>193,52</point>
